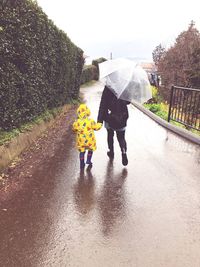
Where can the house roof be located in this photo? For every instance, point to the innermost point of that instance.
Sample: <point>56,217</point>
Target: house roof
<point>148,66</point>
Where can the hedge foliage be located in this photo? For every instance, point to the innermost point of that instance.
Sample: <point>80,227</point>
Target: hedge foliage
<point>96,63</point>
<point>40,68</point>
<point>91,72</point>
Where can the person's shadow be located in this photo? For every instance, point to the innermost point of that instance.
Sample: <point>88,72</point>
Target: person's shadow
<point>84,193</point>
<point>112,199</point>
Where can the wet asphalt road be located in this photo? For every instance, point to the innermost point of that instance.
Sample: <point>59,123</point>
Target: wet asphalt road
<point>144,215</point>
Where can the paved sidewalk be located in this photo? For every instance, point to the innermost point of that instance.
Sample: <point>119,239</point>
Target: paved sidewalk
<point>144,215</point>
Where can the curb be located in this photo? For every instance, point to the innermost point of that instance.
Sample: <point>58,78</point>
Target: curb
<point>11,150</point>
<point>182,132</point>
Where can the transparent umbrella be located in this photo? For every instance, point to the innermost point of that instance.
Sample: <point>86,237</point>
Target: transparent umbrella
<point>126,80</point>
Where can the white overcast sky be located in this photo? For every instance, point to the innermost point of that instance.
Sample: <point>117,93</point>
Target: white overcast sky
<point>126,28</point>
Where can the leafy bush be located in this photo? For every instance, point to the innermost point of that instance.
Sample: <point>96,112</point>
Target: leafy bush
<point>96,63</point>
<point>154,108</point>
<point>160,110</point>
<point>162,114</point>
<point>89,73</point>
<point>154,91</point>
<point>40,68</point>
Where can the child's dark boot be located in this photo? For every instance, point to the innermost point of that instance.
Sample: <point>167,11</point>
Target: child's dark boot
<point>82,160</point>
<point>89,158</point>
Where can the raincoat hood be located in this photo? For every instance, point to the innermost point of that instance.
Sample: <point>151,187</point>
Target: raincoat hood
<point>83,111</point>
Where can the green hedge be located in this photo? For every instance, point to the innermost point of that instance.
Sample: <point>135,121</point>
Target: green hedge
<point>40,68</point>
<point>96,63</point>
<point>91,72</point>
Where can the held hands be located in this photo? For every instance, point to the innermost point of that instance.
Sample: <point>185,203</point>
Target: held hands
<point>98,126</point>
<point>74,127</point>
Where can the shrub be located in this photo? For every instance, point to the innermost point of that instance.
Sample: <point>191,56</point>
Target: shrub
<point>154,92</point>
<point>162,114</point>
<point>89,73</point>
<point>154,108</point>
<point>96,63</point>
<point>40,68</point>
<point>160,110</point>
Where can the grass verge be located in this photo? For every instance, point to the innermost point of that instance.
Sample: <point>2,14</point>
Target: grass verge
<point>161,109</point>
<point>7,136</point>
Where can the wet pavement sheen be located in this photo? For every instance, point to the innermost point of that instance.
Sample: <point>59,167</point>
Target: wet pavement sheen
<point>144,215</point>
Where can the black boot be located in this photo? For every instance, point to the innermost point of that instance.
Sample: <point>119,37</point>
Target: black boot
<point>124,159</point>
<point>110,154</point>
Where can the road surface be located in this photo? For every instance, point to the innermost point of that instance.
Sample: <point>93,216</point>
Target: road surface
<point>144,215</point>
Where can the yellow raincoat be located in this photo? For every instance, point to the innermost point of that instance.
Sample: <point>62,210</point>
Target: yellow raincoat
<point>85,127</point>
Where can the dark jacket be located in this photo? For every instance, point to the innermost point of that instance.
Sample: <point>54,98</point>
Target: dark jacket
<point>113,110</point>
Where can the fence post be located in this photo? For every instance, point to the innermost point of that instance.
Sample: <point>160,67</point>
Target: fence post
<point>170,103</point>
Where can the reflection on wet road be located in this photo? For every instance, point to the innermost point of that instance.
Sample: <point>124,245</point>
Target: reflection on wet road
<point>144,215</point>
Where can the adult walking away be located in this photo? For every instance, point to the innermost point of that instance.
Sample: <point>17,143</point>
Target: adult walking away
<point>114,113</point>
<point>124,82</point>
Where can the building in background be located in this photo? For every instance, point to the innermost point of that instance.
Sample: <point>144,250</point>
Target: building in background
<point>151,70</point>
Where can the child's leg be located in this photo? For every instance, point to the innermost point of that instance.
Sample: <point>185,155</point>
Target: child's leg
<point>82,159</point>
<point>89,157</point>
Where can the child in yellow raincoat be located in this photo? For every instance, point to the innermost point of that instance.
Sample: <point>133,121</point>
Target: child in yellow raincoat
<point>85,139</point>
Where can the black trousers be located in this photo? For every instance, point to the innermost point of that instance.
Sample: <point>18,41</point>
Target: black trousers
<point>120,138</point>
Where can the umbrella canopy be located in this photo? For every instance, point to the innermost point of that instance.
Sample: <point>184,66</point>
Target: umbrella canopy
<point>126,80</point>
